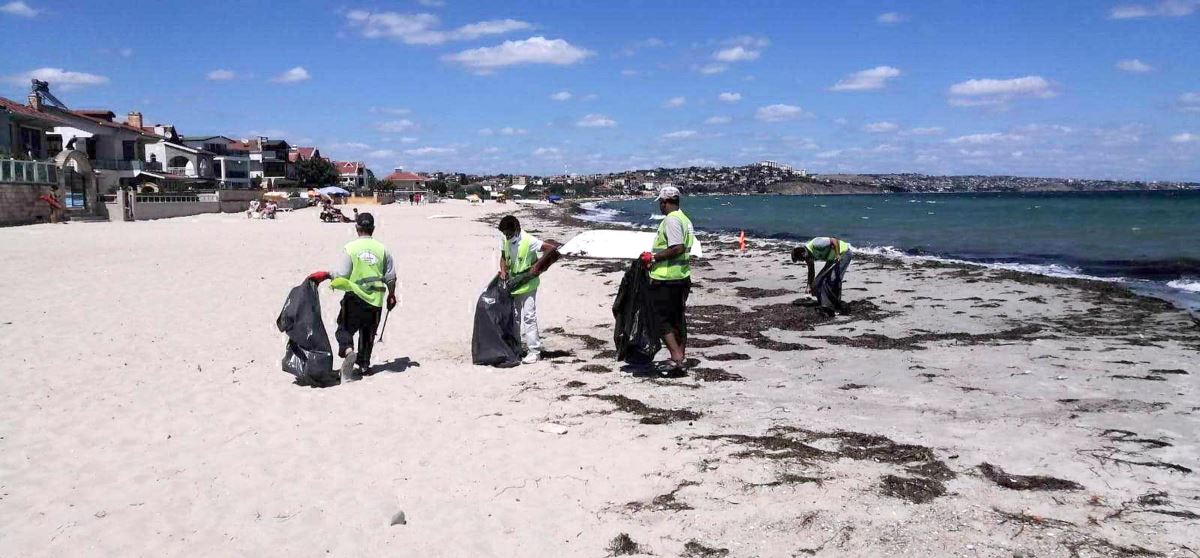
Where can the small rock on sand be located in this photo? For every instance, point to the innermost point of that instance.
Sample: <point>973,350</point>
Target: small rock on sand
<point>399,518</point>
<point>551,428</point>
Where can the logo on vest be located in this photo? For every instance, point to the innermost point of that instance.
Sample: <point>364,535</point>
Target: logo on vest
<point>367,258</point>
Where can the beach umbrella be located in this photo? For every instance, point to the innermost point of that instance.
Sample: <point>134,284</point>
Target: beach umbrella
<point>334,191</point>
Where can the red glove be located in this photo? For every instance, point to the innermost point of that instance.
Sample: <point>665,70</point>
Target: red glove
<point>647,258</point>
<point>391,302</point>
<point>318,276</point>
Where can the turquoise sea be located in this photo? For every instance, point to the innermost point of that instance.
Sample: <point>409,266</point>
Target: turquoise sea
<point>1150,241</point>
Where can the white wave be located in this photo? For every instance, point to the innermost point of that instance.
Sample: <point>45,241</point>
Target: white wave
<point>1189,285</point>
<point>1052,270</point>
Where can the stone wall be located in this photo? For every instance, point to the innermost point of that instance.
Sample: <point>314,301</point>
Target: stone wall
<point>143,211</point>
<point>19,204</point>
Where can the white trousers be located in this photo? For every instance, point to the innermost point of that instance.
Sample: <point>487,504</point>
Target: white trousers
<point>526,308</point>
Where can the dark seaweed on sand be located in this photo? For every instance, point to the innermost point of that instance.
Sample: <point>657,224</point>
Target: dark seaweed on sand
<point>696,549</point>
<point>1025,482</point>
<point>715,375</point>
<point>755,292</point>
<point>915,342</point>
<point>650,415</point>
<point>623,545</point>
<point>914,489</point>
<point>731,321</point>
<point>728,356</point>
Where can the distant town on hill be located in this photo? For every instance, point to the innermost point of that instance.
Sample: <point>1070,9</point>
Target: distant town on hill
<point>768,177</point>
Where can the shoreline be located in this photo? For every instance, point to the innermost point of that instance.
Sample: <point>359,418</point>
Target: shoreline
<point>1157,290</point>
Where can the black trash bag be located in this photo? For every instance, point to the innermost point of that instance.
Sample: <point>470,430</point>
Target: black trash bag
<point>636,332</point>
<point>308,356</point>
<point>496,339</point>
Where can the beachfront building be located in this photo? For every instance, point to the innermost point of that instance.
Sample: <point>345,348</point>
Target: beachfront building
<point>231,159</point>
<point>298,154</point>
<point>405,182</point>
<point>115,150</point>
<point>33,165</point>
<point>269,162</point>
<point>352,174</point>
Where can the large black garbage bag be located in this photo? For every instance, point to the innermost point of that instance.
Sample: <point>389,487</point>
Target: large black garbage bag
<point>308,356</point>
<point>636,332</point>
<point>496,339</point>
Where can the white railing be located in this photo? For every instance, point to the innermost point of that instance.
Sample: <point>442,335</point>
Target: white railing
<point>118,165</point>
<point>28,172</point>
<point>181,171</point>
<point>168,198</point>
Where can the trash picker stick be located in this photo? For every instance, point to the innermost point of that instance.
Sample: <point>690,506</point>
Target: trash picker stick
<point>384,328</point>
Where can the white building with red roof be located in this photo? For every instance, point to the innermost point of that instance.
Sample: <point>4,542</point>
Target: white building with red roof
<point>353,174</point>
<point>404,180</point>
<point>297,154</point>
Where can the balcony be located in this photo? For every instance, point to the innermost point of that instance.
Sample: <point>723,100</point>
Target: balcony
<point>13,171</point>
<point>118,165</point>
<point>180,171</point>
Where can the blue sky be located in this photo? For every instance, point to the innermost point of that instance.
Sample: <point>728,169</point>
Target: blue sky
<point>1067,88</point>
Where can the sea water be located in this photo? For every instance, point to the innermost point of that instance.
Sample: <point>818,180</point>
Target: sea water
<point>1147,240</point>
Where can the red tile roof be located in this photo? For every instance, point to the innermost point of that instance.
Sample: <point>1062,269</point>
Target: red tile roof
<point>348,167</point>
<point>398,176</point>
<point>28,112</point>
<point>298,154</point>
<point>97,116</point>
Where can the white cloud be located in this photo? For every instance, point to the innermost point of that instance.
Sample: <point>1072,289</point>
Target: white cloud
<point>349,146</point>
<point>632,48</point>
<point>711,69</point>
<point>19,9</point>
<point>547,152</point>
<point>596,121</point>
<point>628,72</point>
<point>381,154</point>
<point>534,50</point>
<point>408,139</point>
<point>1162,8</point>
<point>730,97</point>
<point>718,120</point>
<point>881,127</point>
<point>561,96</point>
<point>983,139</point>
<point>58,78</point>
<point>220,75</point>
<point>1134,65</point>
<point>430,151</point>
<point>681,134</point>
<point>993,92</point>
<point>591,97</point>
<point>779,113</point>
<point>424,29</point>
<point>675,102</point>
<point>294,75</point>
<point>872,78</point>
<point>486,132</point>
<point>736,54</point>
<point>925,131</point>
<point>890,18</point>
<point>510,131</point>
<point>125,52</point>
<point>432,3</point>
<point>392,111</point>
<point>1190,102</point>
<point>400,125</point>
<point>1185,137</point>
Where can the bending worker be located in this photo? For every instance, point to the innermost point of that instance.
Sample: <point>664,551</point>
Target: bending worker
<point>671,278</point>
<point>365,271</point>
<point>827,285</point>
<point>520,266</point>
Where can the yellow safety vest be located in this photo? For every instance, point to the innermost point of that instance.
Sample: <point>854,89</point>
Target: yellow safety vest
<point>522,263</point>
<point>678,267</point>
<point>367,260</point>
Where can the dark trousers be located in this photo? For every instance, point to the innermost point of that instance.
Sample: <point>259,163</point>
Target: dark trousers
<point>670,306</point>
<point>361,319</point>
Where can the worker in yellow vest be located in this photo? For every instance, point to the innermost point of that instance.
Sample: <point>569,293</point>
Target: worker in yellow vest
<point>520,266</point>
<point>671,278</point>
<point>826,286</point>
<point>365,270</point>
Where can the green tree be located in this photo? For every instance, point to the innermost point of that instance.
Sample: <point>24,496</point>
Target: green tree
<point>438,186</point>
<point>317,172</point>
<point>372,182</point>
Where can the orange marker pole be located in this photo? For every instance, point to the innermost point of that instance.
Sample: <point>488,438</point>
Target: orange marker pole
<point>742,241</point>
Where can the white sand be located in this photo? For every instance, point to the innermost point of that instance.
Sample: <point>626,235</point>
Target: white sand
<point>144,412</point>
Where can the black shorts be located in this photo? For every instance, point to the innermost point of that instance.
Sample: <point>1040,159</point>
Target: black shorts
<point>670,303</point>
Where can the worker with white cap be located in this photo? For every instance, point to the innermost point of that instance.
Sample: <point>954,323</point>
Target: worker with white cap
<point>671,277</point>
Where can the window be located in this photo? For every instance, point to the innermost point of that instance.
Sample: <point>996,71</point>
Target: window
<point>31,142</point>
<point>128,150</point>
<point>53,145</point>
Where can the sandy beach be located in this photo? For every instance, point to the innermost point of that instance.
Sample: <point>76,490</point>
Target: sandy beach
<point>956,411</point>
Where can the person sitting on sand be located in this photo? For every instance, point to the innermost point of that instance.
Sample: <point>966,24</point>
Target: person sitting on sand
<point>827,285</point>
<point>671,277</point>
<point>519,261</point>
<point>253,209</point>
<point>365,271</point>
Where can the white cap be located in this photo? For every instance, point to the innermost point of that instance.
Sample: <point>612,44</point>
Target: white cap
<point>668,193</point>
